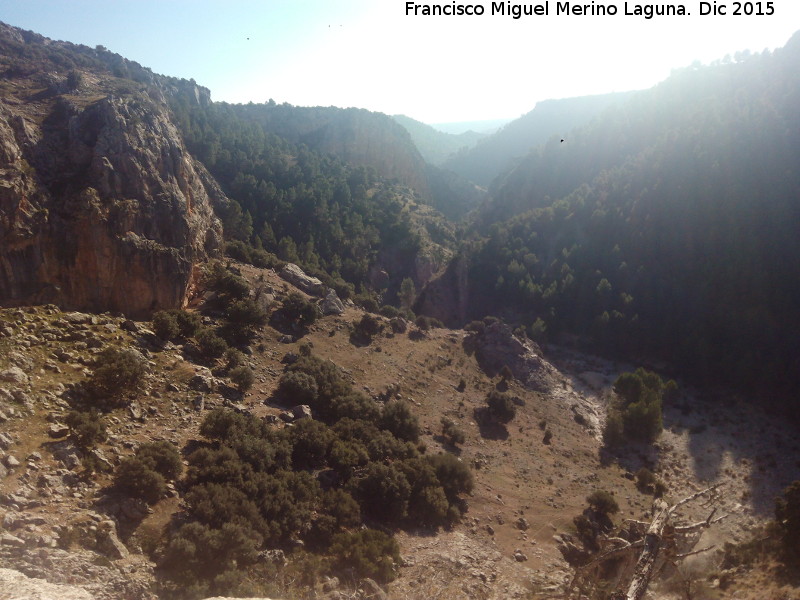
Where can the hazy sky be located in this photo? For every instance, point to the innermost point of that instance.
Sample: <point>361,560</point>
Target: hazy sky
<point>370,54</point>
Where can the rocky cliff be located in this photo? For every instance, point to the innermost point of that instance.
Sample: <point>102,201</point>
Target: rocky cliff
<point>101,206</point>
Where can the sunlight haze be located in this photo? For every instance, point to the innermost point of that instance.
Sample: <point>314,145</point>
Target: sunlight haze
<point>371,55</point>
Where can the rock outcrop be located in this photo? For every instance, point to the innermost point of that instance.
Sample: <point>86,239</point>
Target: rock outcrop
<point>297,277</point>
<point>18,586</point>
<point>497,346</point>
<point>101,206</point>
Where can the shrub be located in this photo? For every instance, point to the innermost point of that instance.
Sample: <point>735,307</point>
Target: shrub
<point>118,372</point>
<point>233,358</point>
<point>645,479</point>
<point>347,455</point>
<point>390,312</point>
<point>637,413</point>
<point>161,457</point>
<point>211,345</point>
<point>383,492</point>
<point>451,432</point>
<point>787,514</point>
<point>454,476</point>
<point>367,327</point>
<point>311,441</point>
<point>296,309</point>
<point>165,325</point>
<point>134,478</point>
<point>398,325</point>
<point>242,377</point>
<point>298,387</point>
<point>400,421</point>
<point>426,323</point>
<point>603,503</point>
<point>197,553</point>
<point>189,323</point>
<point>228,285</point>
<point>501,406</point>
<point>86,428</point>
<point>246,314</point>
<point>366,553</point>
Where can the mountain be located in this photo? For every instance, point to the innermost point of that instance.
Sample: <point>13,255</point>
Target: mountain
<point>665,229</point>
<point>102,207</point>
<point>549,119</point>
<point>484,127</point>
<point>434,145</point>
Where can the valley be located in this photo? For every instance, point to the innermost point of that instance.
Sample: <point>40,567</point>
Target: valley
<point>267,350</point>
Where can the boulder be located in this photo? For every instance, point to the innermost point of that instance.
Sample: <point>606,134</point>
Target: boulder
<point>295,275</point>
<point>108,543</point>
<point>301,411</point>
<point>331,304</point>
<point>14,375</point>
<point>17,586</point>
<point>497,346</point>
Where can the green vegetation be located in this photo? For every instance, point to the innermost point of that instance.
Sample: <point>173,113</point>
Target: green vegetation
<point>258,484</point>
<point>295,202</point>
<point>636,416</point>
<point>501,406</point>
<point>603,503</point>
<point>86,428</point>
<point>117,375</point>
<point>452,433</point>
<point>145,475</point>
<point>787,515</point>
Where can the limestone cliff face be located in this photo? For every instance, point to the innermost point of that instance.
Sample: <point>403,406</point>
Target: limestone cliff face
<point>101,206</point>
<point>446,296</point>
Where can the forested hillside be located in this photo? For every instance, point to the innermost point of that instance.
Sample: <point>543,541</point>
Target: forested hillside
<point>498,152</point>
<point>434,145</point>
<point>667,228</point>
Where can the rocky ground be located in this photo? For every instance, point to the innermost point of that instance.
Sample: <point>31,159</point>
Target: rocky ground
<point>66,527</point>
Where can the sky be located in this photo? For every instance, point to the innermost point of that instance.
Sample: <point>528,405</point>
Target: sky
<point>372,54</point>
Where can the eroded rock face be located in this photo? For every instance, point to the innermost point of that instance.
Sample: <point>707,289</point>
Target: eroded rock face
<point>297,277</point>
<point>14,584</point>
<point>497,347</point>
<point>101,206</point>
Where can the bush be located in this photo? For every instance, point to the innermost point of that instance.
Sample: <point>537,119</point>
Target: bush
<point>390,312</point>
<point>454,476</point>
<point>242,377</point>
<point>367,327</point>
<point>452,433</point>
<point>198,554</point>
<point>426,323</point>
<point>246,314</point>
<point>118,372</point>
<point>603,503</point>
<point>233,358</point>
<point>637,413</point>
<point>86,428</point>
<point>228,285</point>
<point>400,421</point>
<point>161,457</point>
<point>211,345</point>
<point>787,514</point>
<point>297,387</point>
<point>311,442</point>
<point>383,492</point>
<point>136,479</point>
<point>366,553</point>
<point>398,325</point>
<point>296,309</point>
<point>165,325</point>
<point>501,406</point>
<point>645,479</point>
